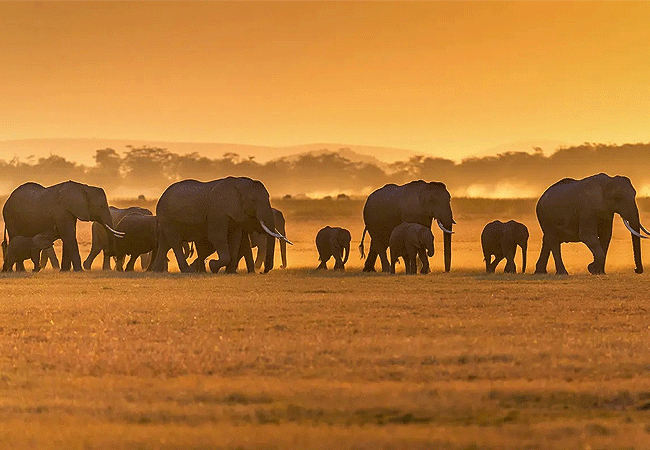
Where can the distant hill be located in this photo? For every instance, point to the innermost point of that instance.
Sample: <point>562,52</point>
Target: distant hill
<point>82,151</point>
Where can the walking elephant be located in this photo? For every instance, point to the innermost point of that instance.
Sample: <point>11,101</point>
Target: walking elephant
<point>32,209</point>
<point>21,248</point>
<point>100,239</point>
<point>583,211</point>
<point>259,240</point>
<point>333,242</point>
<point>213,215</point>
<point>500,240</point>
<point>408,241</point>
<point>139,238</point>
<point>416,202</point>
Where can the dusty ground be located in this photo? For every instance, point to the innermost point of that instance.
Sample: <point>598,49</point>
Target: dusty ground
<point>305,359</point>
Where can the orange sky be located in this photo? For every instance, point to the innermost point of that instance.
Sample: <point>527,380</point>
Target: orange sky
<point>447,78</point>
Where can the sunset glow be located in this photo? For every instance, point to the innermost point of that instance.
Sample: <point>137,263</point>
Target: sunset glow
<point>450,78</point>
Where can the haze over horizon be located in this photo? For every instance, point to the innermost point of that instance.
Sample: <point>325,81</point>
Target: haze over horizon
<point>449,79</point>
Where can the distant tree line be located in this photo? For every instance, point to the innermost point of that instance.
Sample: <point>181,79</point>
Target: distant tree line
<point>149,170</point>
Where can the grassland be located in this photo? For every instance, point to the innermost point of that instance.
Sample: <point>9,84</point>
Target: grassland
<point>305,359</point>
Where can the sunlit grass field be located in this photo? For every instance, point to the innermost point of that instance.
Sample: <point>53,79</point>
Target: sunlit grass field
<point>300,358</point>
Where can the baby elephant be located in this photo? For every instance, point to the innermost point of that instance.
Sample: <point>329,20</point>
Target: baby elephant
<point>408,240</point>
<point>139,238</point>
<point>21,248</point>
<point>501,240</point>
<point>333,241</point>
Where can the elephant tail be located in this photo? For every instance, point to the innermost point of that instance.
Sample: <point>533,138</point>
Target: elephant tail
<point>363,236</point>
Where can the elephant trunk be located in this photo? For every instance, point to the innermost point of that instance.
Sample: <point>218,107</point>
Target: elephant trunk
<point>283,253</point>
<point>267,220</point>
<point>447,249</point>
<point>107,222</point>
<point>635,224</point>
<point>524,250</point>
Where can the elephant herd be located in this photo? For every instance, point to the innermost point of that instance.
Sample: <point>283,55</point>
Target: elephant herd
<point>233,215</point>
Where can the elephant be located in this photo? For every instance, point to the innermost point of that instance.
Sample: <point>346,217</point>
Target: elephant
<point>32,209</point>
<point>583,211</point>
<point>333,242</point>
<point>416,202</point>
<point>214,216</point>
<point>100,239</point>
<point>501,240</point>
<point>139,238</point>
<point>21,248</point>
<point>259,240</point>
<point>408,241</point>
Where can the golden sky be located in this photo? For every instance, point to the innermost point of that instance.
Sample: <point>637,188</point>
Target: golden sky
<point>450,78</point>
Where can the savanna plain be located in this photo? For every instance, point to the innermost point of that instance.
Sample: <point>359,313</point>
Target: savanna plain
<point>300,358</point>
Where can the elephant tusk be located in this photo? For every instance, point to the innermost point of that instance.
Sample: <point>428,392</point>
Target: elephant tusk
<point>453,221</point>
<point>275,235</point>
<point>284,238</point>
<point>627,225</point>
<point>115,232</point>
<point>644,230</point>
<point>443,228</point>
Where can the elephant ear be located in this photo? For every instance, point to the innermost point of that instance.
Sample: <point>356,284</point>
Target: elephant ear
<point>42,241</point>
<point>73,198</point>
<point>230,201</point>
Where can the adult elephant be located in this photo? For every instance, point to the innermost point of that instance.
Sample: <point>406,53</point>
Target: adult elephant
<point>583,211</point>
<point>500,239</point>
<point>101,243</point>
<point>32,209</point>
<point>259,240</point>
<point>416,202</point>
<point>212,215</point>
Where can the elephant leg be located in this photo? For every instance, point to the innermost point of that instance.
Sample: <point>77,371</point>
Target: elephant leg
<point>20,266</point>
<point>545,252</point>
<point>119,263</point>
<point>246,250</point>
<point>413,261</point>
<point>393,262</point>
<point>590,238</point>
<point>203,250</point>
<point>71,255</point>
<point>510,261</point>
<point>42,260</point>
<point>488,264</point>
<point>338,259</point>
<point>223,241</point>
<point>371,258</point>
<point>323,262</point>
<point>145,260</point>
<point>261,252</point>
<point>130,265</point>
<point>385,265</point>
<point>106,262</point>
<point>557,257</point>
<point>605,236</point>
<point>425,261</point>
<point>94,252</point>
<point>51,254</point>
<point>239,251</point>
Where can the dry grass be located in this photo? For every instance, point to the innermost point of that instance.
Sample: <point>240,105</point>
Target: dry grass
<point>305,359</point>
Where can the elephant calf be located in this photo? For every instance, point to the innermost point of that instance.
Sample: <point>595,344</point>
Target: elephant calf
<point>21,248</point>
<point>333,242</point>
<point>139,238</point>
<point>407,241</point>
<point>500,240</point>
